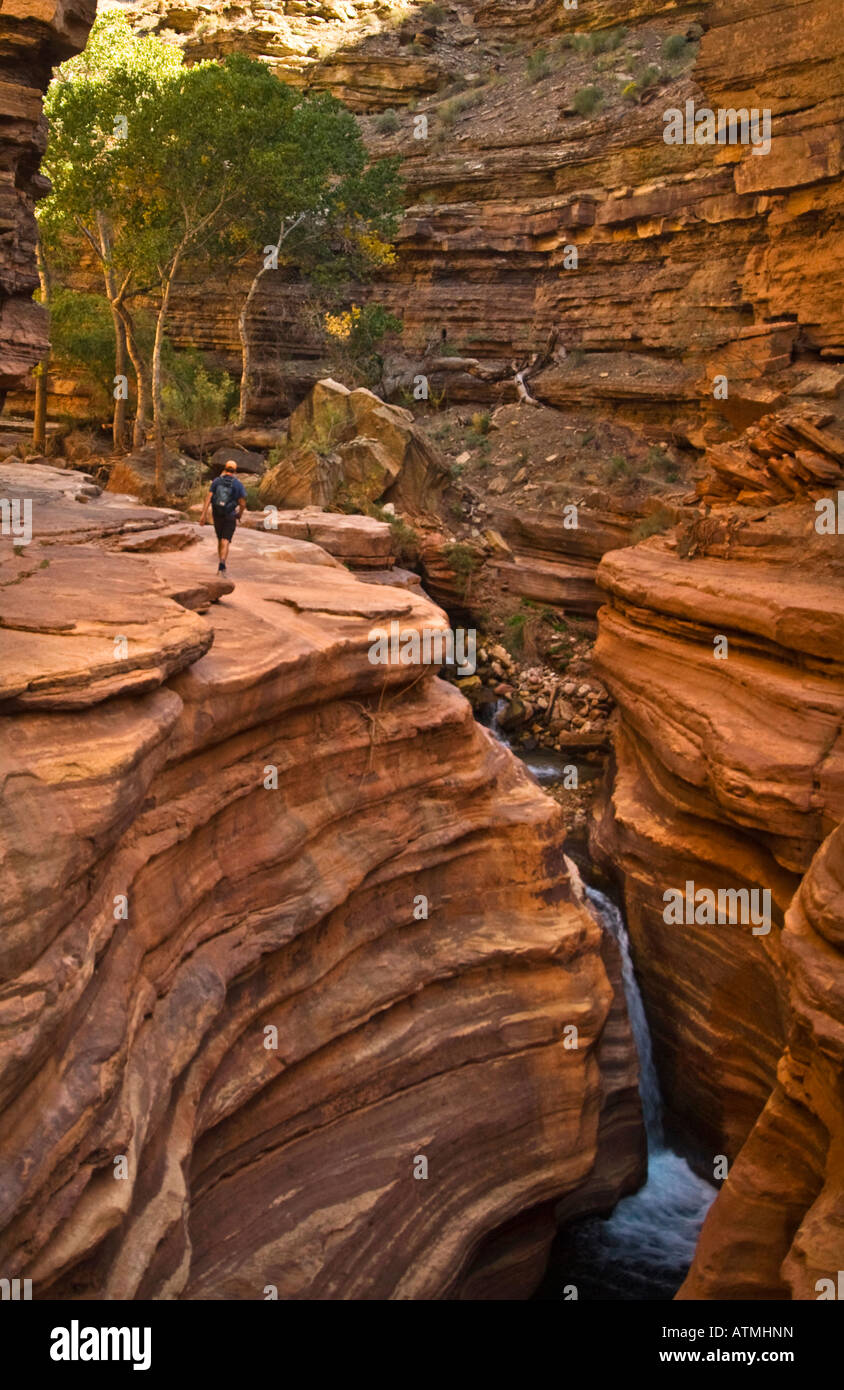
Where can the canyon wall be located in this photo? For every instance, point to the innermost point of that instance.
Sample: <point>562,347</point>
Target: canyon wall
<point>34,36</point>
<point>722,645</point>
<point>693,260</point>
<point>280,927</point>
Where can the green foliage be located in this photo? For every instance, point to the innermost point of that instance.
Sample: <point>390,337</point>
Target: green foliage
<point>587,100</point>
<point>601,41</point>
<point>195,397</point>
<point>463,560</point>
<point>253,500</point>
<point>432,13</point>
<point>676,47</point>
<point>355,348</point>
<point>514,638</point>
<point>650,77</point>
<point>481,422</point>
<point>618,466</point>
<point>405,539</point>
<point>538,65</point>
<point>82,335</point>
<point>448,111</point>
<point>215,163</point>
<point>388,122</point>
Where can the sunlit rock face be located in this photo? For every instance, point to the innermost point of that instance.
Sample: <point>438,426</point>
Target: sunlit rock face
<point>33,37</point>
<point>722,645</point>
<point>693,259</point>
<point>284,930</point>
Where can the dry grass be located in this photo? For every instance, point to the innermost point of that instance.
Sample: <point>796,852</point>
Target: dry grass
<point>123,478</point>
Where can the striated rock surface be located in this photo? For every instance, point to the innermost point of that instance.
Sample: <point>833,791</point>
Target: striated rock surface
<point>692,260</point>
<point>33,37</point>
<point>723,646</point>
<point>278,923</point>
<point>350,448</point>
<point>777,1229</point>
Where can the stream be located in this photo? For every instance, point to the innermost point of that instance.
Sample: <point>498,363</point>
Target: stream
<point>643,1249</point>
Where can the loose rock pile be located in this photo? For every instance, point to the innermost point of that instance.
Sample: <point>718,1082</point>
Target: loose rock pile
<point>543,707</point>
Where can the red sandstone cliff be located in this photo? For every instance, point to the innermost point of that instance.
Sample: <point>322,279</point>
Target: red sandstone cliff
<point>397,909</point>
<point>34,36</point>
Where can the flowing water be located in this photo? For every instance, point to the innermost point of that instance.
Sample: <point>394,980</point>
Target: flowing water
<point>644,1248</point>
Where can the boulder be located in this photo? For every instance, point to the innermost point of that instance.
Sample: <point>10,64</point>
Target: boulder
<point>350,447</point>
<point>246,460</point>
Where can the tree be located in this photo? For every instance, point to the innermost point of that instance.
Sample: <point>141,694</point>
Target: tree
<point>169,170</point>
<point>226,156</point>
<point>88,105</point>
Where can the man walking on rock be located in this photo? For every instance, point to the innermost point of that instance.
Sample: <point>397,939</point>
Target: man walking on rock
<point>227,500</point>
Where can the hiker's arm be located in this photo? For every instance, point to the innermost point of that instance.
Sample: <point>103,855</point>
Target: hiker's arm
<point>205,507</point>
<point>241,506</point>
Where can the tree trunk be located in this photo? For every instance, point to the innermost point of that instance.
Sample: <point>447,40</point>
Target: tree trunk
<point>142,412</point>
<point>246,349</point>
<point>42,381</point>
<point>139,368</point>
<point>118,426</point>
<point>157,401</point>
<point>39,423</point>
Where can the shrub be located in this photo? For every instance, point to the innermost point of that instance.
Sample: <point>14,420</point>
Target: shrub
<point>514,638</point>
<point>630,92</point>
<point>123,478</point>
<point>675,47</point>
<point>618,466</point>
<point>694,31</point>
<point>448,111</point>
<point>432,13</point>
<point>405,539</point>
<point>253,501</point>
<point>463,560</point>
<point>586,100</point>
<point>481,422</point>
<point>538,65</point>
<point>653,525</point>
<point>651,77</point>
<point>388,122</point>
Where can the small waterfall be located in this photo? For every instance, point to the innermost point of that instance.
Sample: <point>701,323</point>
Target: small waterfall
<point>644,1248</point>
<point>648,1080</point>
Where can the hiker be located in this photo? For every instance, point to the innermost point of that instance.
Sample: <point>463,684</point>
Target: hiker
<point>227,500</point>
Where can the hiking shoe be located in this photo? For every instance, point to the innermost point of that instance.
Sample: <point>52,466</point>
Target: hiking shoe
<point>221,569</point>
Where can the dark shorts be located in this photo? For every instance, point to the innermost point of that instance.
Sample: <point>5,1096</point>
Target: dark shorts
<point>224,525</point>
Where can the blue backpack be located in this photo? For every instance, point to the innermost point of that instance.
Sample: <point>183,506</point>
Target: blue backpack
<point>225,499</point>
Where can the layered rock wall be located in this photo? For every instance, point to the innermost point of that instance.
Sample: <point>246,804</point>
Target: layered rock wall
<point>722,646</point>
<point>278,924</point>
<point>693,260</point>
<point>33,38</point>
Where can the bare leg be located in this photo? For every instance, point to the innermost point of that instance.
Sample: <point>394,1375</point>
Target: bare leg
<point>224,550</point>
